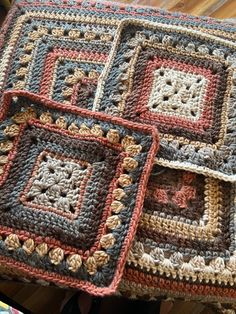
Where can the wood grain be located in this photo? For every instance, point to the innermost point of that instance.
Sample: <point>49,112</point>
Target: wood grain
<point>214,8</point>
<point>47,300</point>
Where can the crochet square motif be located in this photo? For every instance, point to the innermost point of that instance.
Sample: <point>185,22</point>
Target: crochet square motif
<point>184,233</point>
<point>165,80</point>
<point>72,189</point>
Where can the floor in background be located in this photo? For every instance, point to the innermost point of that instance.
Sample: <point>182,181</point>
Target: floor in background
<point>47,300</point>
<point>2,14</point>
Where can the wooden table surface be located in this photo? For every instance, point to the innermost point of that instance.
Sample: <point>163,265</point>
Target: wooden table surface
<point>44,300</point>
<point>214,8</point>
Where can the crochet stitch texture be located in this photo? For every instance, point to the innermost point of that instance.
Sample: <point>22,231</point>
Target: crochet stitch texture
<point>117,150</point>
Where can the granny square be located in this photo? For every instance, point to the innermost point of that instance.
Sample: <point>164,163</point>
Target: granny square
<point>181,81</point>
<point>72,187</point>
<point>185,242</point>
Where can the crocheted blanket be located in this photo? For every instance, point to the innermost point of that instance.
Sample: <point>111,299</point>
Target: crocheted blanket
<point>118,150</point>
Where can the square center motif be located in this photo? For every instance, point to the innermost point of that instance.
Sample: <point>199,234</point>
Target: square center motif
<point>58,184</point>
<point>178,93</point>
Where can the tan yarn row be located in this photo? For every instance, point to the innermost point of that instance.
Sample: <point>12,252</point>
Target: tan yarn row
<point>175,265</point>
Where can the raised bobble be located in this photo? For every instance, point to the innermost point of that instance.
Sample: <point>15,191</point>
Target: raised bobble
<point>73,128</point>
<point>91,265</point>
<point>74,262</point>
<point>28,246</point>
<point>23,117</point>
<point>130,164</point>
<point>118,194</point>
<point>107,240</point>
<point>113,136</point>
<point>84,130</point>
<point>42,249</point>
<point>127,141</point>
<point>97,130</point>
<point>113,222</point>
<point>101,258</point>
<point>61,123</point>
<point>46,117</point>
<point>3,160</point>
<point>56,256</point>
<point>133,150</point>
<point>117,206</point>
<point>6,146</point>
<point>124,180</point>
<point>74,34</point>
<point>12,242</point>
